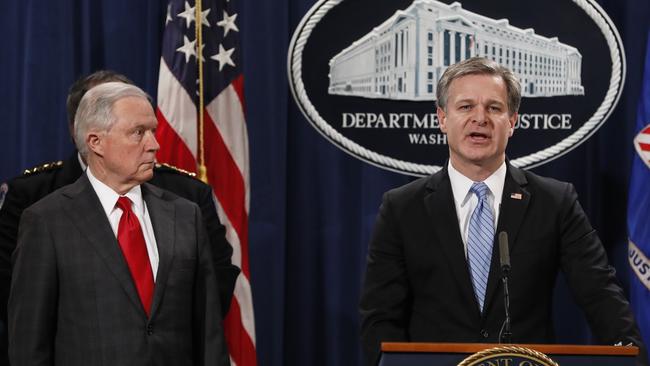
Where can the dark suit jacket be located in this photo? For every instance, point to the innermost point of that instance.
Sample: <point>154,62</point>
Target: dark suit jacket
<point>418,288</point>
<point>27,189</point>
<point>72,299</point>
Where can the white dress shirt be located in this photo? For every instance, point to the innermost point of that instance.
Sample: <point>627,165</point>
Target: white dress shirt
<point>108,198</point>
<point>466,201</point>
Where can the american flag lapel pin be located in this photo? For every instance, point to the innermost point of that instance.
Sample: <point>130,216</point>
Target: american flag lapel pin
<point>516,196</point>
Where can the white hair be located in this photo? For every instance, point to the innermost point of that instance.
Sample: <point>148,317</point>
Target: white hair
<point>95,110</point>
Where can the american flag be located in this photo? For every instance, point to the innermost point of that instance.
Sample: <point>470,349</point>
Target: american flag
<point>638,210</point>
<point>223,145</point>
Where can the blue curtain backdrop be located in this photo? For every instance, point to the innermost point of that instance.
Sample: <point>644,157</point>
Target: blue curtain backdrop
<point>312,206</point>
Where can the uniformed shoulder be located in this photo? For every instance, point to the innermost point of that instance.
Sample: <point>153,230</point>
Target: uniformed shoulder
<point>38,178</point>
<point>180,182</point>
<point>32,185</point>
<point>47,167</point>
<point>168,168</point>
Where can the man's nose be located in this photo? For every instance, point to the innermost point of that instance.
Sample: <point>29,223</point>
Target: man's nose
<point>151,143</point>
<point>480,115</point>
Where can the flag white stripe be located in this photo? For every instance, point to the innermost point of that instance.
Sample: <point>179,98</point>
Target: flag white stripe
<point>177,107</point>
<point>244,297</point>
<point>643,138</point>
<point>242,286</point>
<point>231,233</point>
<point>228,116</point>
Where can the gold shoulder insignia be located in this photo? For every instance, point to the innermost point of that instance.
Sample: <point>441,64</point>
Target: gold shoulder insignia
<point>44,167</point>
<point>176,169</point>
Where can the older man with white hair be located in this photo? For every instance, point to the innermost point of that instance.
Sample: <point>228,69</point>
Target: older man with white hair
<point>111,270</point>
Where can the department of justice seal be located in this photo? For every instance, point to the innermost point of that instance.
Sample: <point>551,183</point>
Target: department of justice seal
<point>364,73</point>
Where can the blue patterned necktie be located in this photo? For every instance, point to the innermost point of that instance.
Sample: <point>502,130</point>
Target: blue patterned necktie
<point>480,240</point>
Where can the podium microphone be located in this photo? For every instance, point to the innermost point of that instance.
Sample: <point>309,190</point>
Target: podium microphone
<point>505,336</point>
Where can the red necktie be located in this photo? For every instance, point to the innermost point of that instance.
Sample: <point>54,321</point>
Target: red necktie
<point>129,235</point>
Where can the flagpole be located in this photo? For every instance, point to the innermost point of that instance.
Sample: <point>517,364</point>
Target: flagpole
<point>198,21</point>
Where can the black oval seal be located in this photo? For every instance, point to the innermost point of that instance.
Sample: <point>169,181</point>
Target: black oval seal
<point>364,73</point>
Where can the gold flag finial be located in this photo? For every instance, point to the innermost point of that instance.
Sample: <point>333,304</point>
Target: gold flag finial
<point>203,173</point>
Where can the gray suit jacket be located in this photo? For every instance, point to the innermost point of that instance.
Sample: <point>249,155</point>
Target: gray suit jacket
<point>72,299</point>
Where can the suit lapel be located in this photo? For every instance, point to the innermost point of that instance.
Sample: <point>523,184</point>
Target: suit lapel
<point>439,202</point>
<point>514,204</point>
<point>86,212</point>
<point>162,214</point>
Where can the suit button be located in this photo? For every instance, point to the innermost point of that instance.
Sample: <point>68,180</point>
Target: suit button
<point>485,333</point>
<point>149,329</point>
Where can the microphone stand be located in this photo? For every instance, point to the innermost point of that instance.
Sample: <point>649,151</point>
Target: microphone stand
<point>505,335</point>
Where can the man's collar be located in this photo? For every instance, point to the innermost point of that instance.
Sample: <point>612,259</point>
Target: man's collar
<point>108,197</point>
<point>461,184</point>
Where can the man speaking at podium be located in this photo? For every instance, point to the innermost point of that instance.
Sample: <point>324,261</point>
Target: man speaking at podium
<point>433,272</point>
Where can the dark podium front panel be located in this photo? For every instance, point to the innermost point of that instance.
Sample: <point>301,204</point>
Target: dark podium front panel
<point>451,354</point>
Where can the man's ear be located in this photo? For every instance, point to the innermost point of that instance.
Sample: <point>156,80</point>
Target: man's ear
<point>94,141</point>
<point>442,119</point>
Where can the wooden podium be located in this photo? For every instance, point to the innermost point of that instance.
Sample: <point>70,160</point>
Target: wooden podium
<point>451,354</point>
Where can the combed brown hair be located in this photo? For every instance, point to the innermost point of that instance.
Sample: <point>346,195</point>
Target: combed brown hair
<point>479,66</point>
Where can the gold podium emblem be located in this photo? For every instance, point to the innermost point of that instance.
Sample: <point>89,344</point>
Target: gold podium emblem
<point>508,356</point>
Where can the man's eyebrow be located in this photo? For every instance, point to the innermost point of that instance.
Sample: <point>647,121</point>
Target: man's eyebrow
<point>145,125</point>
<point>496,101</point>
<point>465,100</point>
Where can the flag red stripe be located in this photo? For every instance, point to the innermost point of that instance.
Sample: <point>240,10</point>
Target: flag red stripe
<point>240,346</point>
<point>238,84</point>
<point>644,146</point>
<point>172,148</point>
<point>228,184</point>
